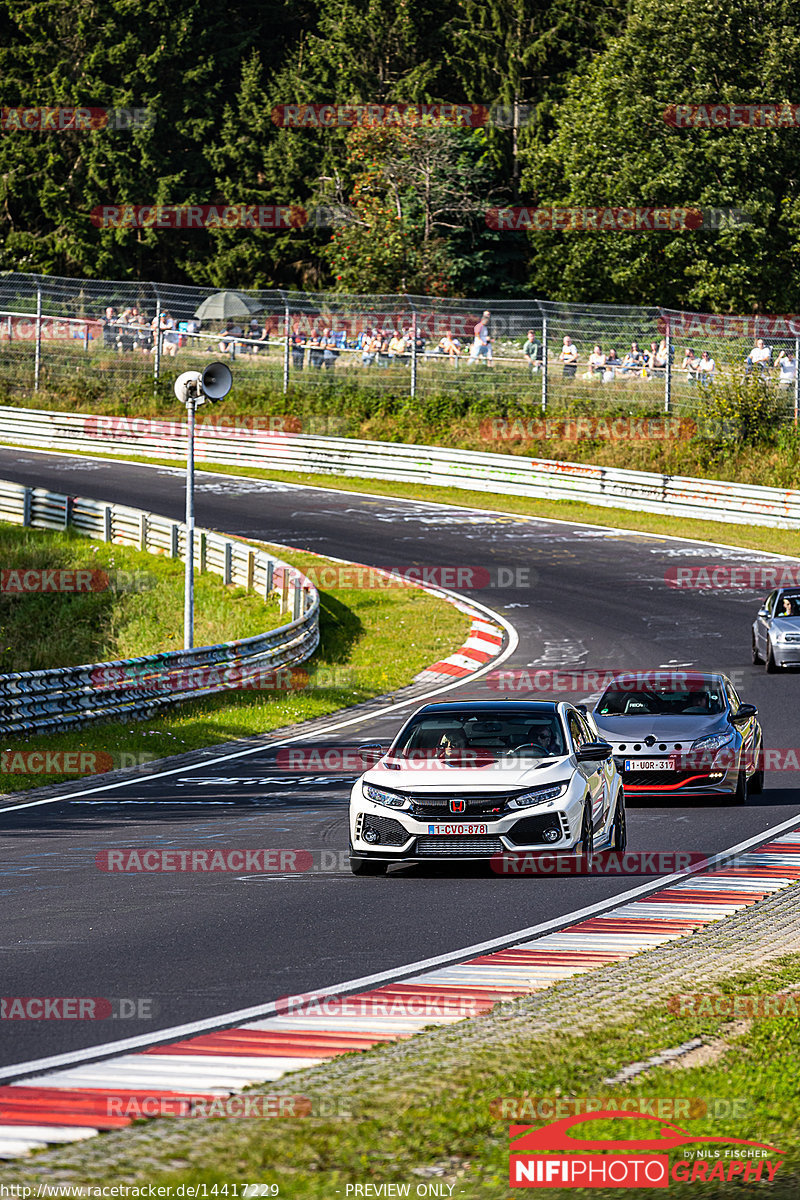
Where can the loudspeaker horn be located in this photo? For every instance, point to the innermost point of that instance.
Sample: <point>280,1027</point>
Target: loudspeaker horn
<point>216,381</point>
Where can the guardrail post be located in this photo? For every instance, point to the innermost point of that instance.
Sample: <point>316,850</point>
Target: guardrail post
<point>157,345</point>
<point>284,602</point>
<point>268,579</point>
<point>413,355</point>
<point>796,379</point>
<point>202,551</point>
<point>27,502</point>
<point>544,363</point>
<point>68,512</point>
<point>143,531</point>
<point>297,600</point>
<point>286,319</point>
<point>173,541</point>
<point>108,527</point>
<point>668,375</point>
<point>37,361</point>
<point>251,569</point>
<point>228,569</point>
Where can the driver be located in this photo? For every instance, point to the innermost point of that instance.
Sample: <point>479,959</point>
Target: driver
<point>452,745</point>
<point>788,607</point>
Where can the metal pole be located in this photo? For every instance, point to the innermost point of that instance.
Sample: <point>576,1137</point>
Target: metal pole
<point>37,362</point>
<point>86,337</point>
<point>188,594</point>
<point>668,374</point>
<point>544,363</point>
<point>157,344</point>
<point>796,380</point>
<point>286,319</point>
<point>413,354</point>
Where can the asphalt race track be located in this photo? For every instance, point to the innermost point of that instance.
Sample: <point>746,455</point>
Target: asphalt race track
<point>198,945</point>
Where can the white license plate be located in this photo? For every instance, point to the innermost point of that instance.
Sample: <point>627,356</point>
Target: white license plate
<point>649,764</point>
<point>457,830</point>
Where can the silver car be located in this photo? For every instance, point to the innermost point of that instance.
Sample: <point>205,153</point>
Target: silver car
<point>682,733</point>
<point>776,630</point>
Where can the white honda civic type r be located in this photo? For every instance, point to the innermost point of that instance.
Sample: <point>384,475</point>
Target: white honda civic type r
<point>475,779</point>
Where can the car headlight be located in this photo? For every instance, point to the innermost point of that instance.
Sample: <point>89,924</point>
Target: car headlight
<point>538,795</point>
<point>714,741</point>
<point>379,796</point>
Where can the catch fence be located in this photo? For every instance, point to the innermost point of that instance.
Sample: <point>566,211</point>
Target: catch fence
<point>55,330</point>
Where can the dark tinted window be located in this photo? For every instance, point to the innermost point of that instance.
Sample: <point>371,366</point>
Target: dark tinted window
<point>644,702</point>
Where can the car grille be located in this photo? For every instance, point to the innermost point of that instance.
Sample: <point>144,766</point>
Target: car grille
<point>664,778</point>
<point>391,833</point>
<point>437,804</point>
<point>530,830</point>
<point>433,847</point>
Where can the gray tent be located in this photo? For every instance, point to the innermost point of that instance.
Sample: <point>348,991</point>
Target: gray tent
<point>223,305</point>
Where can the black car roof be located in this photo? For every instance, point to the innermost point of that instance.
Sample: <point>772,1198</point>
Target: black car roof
<point>498,706</point>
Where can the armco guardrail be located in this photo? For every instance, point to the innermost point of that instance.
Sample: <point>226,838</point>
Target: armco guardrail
<point>35,701</point>
<point>504,474</point>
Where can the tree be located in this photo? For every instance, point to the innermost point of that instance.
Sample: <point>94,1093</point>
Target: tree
<point>613,147</point>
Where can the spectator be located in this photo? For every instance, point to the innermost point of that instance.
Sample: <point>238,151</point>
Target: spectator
<point>142,337</point>
<point>569,357</point>
<point>482,343</point>
<point>612,366</point>
<point>370,346</point>
<point>398,347</point>
<point>316,353</point>
<point>690,364</point>
<point>656,358</point>
<point>420,342</point>
<point>259,337</point>
<point>170,336</point>
<point>108,323</point>
<point>597,363</point>
<point>706,368</point>
<point>229,335</point>
<point>532,353</point>
<point>760,357</point>
<point>450,346</point>
<point>633,362</point>
<point>297,345</point>
<point>330,351</point>
<point>787,366</point>
<point>192,330</point>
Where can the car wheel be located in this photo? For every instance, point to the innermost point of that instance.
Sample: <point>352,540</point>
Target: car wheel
<point>740,795</point>
<point>585,846</point>
<point>756,785</point>
<point>769,662</point>
<point>619,830</point>
<point>756,655</point>
<point>363,866</point>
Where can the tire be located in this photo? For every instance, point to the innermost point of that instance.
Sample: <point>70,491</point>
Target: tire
<point>619,830</point>
<point>363,866</point>
<point>740,795</point>
<point>770,665</point>
<point>585,846</point>
<point>756,784</point>
<point>754,651</point>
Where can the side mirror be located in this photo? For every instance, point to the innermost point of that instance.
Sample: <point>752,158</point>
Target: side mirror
<point>594,752</point>
<point>762,612</point>
<point>370,752</point>
<point>745,713</point>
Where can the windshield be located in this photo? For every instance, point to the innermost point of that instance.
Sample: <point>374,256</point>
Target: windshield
<point>700,701</point>
<point>481,738</point>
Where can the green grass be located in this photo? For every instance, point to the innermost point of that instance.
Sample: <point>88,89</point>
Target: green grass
<point>137,608</point>
<point>371,642</point>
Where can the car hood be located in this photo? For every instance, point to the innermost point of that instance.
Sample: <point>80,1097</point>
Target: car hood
<point>440,778</point>
<point>677,728</point>
<point>786,624</point>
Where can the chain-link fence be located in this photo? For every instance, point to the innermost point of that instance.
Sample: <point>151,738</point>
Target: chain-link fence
<point>552,356</point>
